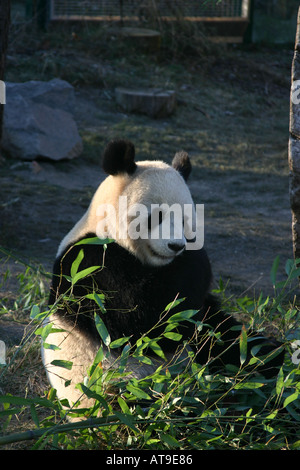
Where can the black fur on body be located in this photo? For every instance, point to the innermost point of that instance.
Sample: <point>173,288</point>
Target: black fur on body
<point>137,294</point>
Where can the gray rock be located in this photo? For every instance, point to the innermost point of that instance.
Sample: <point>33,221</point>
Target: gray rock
<point>56,93</point>
<point>34,123</point>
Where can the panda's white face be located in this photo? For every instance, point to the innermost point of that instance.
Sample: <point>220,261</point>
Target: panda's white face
<point>148,216</point>
<point>143,210</point>
<point>156,198</point>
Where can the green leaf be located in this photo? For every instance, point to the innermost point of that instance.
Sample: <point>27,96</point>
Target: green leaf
<point>295,273</point>
<point>37,315</point>
<point>53,347</point>
<point>248,385</point>
<point>95,241</point>
<point>170,327</point>
<point>76,263</point>
<point>157,350</point>
<point>173,336</point>
<point>170,440</point>
<point>143,359</point>
<point>124,357</point>
<point>99,299</point>
<point>243,345</point>
<point>35,312</point>
<point>26,401</point>
<point>46,330</point>
<point>123,405</point>
<point>102,330</point>
<point>280,382</point>
<point>274,270</point>
<point>184,315</point>
<point>137,392</point>
<point>119,342</point>
<point>98,360</point>
<point>34,415</point>
<point>291,398</point>
<point>92,394</point>
<point>127,419</point>
<point>9,412</point>
<point>84,273</point>
<point>173,304</point>
<point>61,363</point>
<point>289,265</point>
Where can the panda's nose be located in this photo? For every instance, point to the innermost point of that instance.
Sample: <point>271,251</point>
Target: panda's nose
<point>176,246</point>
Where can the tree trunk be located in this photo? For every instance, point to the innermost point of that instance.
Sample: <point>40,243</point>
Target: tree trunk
<point>4,28</point>
<point>294,145</point>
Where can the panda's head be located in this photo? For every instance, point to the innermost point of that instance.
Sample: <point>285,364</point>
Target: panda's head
<point>146,207</point>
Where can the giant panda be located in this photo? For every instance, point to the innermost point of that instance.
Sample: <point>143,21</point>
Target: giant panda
<point>139,277</point>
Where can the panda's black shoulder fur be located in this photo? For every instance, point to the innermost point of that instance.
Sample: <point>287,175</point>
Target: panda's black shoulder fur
<point>136,294</point>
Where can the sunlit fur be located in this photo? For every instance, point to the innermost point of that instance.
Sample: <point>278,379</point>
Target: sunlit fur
<point>152,183</point>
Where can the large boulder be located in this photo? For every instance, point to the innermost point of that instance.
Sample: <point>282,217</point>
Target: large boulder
<point>37,122</point>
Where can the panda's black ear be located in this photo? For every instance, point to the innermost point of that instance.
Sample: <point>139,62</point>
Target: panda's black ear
<point>118,157</point>
<point>182,164</point>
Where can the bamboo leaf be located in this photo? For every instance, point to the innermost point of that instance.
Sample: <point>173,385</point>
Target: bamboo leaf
<point>53,347</point>
<point>95,241</point>
<point>34,416</point>
<point>76,263</point>
<point>184,315</point>
<point>274,270</point>
<point>127,419</point>
<point>96,364</point>
<point>102,330</point>
<point>173,304</point>
<point>119,342</point>
<point>84,273</point>
<point>170,440</point>
<point>248,385</point>
<point>62,363</point>
<point>279,382</point>
<point>26,401</point>
<point>291,398</point>
<point>243,345</point>
<point>137,392</point>
<point>9,412</point>
<point>35,312</point>
<point>124,357</point>
<point>123,405</point>
<point>98,298</point>
<point>157,350</point>
<point>173,336</point>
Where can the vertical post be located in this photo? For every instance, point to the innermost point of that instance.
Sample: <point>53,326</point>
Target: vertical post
<point>248,12</point>
<point>42,13</point>
<point>29,9</point>
<point>38,9</point>
<point>294,144</point>
<point>4,28</point>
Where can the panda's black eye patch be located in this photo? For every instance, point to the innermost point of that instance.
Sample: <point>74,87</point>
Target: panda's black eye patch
<point>154,219</point>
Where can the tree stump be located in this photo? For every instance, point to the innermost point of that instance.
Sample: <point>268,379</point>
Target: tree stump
<point>156,103</point>
<point>294,145</point>
<point>147,39</point>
